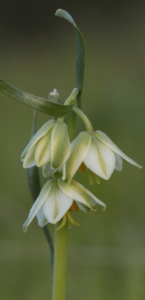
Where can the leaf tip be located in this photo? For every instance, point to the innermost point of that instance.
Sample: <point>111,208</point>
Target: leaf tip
<point>57,12</point>
<point>25,226</point>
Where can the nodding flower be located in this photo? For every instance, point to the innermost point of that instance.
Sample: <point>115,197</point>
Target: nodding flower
<point>56,199</point>
<point>98,153</point>
<point>50,144</point>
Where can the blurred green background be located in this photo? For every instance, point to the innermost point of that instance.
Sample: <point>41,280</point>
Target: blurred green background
<point>106,255</point>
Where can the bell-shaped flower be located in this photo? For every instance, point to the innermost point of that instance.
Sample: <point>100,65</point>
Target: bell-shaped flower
<point>50,144</point>
<point>56,199</point>
<point>98,153</point>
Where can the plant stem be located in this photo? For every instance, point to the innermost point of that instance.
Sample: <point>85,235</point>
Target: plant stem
<point>84,118</point>
<point>60,262</point>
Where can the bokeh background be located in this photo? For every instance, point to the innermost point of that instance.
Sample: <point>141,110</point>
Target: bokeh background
<point>106,255</point>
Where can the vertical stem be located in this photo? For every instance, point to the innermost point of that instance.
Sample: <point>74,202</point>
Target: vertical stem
<point>60,262</point>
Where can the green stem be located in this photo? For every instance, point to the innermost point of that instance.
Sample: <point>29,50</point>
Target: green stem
<point>60,262</point>
<point>84,118</point>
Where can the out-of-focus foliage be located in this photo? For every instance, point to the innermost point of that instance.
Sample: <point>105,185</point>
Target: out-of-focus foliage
<point>106,253</point>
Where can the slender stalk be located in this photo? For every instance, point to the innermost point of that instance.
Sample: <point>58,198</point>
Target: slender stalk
<point>84,118</point>
<point>60,263</point>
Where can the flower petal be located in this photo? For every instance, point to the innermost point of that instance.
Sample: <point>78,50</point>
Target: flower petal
<point>80,147</point>
<point>56,205</point>
<point>38,203</point>
<point>47,171</point>
<point>60,145</point>
<point>40,133</point>
<point>79,193</point>
<point>43,150</point>
<point>42,221</point>
<point>83,207</point>
<point>119,162</point>
<point>100,159</point>
<point>29,159</point>
<point>107,141</point>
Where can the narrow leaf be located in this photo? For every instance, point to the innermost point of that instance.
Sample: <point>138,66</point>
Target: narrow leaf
<point>80,57</point>
<point>41,104</point>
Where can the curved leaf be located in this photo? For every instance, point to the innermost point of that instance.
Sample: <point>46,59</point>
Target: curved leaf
<point>80,58</point>
<point>41,104</point>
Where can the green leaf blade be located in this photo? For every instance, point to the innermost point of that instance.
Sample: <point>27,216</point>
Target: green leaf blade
<point>80,57</point>
<point>38,103</point>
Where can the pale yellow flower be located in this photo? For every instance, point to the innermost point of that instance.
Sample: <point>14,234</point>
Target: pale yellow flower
<point>55,200</point>
<point>98,153</point>
<point>50,144</point>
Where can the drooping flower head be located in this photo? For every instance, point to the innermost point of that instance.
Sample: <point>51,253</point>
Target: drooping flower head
<point>57,198</point>
<point>98,153</point>
<point>50,144</point>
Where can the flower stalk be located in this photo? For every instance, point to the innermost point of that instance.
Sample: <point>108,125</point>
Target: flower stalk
<point>84,118</point>
<point>60,262</point>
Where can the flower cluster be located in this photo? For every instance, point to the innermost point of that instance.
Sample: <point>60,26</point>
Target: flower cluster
<point>50,148</point>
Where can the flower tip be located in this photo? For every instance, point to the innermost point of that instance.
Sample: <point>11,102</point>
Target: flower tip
<point>24,166</point>
<point>54,167</point>
<point>63,177</point>
<point>140,167</point>
<point>137,165</point>
<point>24,228</point>
<point>57,11</point>
<point>105,207</point>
